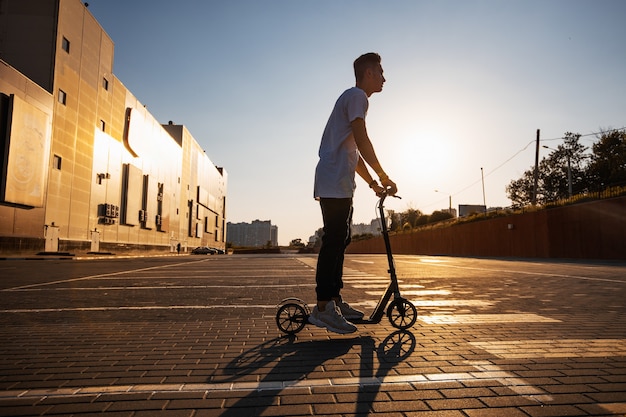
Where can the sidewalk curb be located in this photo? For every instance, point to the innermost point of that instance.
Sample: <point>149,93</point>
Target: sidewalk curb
<point>72,257</point>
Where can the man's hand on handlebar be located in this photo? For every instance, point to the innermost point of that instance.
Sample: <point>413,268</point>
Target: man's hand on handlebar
<point>389,186</point>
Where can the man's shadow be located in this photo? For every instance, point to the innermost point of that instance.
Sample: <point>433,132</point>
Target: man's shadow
<point>267,366</point>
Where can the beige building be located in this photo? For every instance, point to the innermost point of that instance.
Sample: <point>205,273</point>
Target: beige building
<point>256,234</point>
<point>84,165</point>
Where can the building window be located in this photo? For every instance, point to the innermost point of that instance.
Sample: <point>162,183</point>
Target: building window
<point>56,162</point>
<point>65,44</point>
<point>105,83</point>
<point>62,97</point>
<point>102,125</point>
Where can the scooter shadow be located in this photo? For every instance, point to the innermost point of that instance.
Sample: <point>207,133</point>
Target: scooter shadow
<point>285,362</point>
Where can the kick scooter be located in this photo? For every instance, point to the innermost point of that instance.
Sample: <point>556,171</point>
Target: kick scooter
<point>293,313</point>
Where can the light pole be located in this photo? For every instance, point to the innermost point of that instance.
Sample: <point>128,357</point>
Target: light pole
<point>569,168</point>
<point>449,200</point>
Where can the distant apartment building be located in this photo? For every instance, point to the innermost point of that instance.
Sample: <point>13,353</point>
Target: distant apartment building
<point>84,164</point>
<point>256,234</point>
<point>372,228</point>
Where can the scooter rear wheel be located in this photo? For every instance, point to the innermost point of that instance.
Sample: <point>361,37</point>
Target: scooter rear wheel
<point>291,318</point>
<point>401,313</point>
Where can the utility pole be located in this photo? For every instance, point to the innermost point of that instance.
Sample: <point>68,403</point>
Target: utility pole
<point>536,173</point>
<point>569,172</point>
<point>482,176</point>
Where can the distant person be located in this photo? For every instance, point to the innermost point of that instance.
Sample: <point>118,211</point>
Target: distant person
<point>178,248</point>
<point>345,149</point>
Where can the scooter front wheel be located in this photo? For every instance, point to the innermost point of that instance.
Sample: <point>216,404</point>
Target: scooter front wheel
<point>401,313</point>
<point>291,317</point>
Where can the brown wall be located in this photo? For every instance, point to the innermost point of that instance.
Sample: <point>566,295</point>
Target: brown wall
<point>593,230</point>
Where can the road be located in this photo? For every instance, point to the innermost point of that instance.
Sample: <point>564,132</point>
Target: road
<point>196,336</point>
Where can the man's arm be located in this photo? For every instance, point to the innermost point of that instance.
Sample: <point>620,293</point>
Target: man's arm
<point>364,145</point>
<point>364,173</point>
<point>368,155</point>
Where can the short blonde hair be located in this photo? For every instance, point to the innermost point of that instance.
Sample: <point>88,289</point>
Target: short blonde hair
<point>365,61</point>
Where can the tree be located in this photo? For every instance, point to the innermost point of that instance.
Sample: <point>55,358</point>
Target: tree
<point>565,162</point>
<point>394,220</point>
<point>409,217</point>
<point>520,191</point>
<point>440,215</point>
<point>422,220</point>
<point>296,243</point>
<point>608,161</point>
<point>318,237</point>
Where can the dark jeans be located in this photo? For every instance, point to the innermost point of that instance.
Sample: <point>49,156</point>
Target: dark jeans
<point>337,217</point>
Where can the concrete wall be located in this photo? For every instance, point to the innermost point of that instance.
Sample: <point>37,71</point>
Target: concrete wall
<point>593,230</point>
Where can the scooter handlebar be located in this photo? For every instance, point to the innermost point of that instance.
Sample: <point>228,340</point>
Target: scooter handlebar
<point>386,194</point>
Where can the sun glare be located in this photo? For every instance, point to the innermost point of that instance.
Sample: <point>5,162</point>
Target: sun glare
<point>425,157</point>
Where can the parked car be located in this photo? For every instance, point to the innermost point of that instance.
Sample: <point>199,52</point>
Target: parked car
<point>219,251</point>
<point>203,250</point>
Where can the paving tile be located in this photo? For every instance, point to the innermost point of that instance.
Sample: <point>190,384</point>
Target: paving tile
<point>118,405</point>
<point>23,410</point>
<point>193,404</point>
<point>78,407</point>
<point>496,412</point>
<point>444,413</point>
<point>448,404</point>
<point>553,411</point>
<point>618,409</point>
<point>164,413</point>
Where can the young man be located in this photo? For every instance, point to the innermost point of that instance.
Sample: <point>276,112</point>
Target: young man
<point>344,150</point>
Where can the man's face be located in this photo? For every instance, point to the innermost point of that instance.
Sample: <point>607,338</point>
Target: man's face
<point>377,78</point>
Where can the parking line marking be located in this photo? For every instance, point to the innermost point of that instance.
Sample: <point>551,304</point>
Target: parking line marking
<point>517,271</point>
<point>505,378</point>
<point>43,284</point>
<point>159,287</point>
<point>127,308</point>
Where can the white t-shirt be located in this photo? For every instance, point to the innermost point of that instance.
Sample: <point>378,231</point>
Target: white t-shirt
<point>335,171</point>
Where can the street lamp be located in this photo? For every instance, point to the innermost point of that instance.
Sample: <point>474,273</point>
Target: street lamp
<point>449,200</point>
<point>569,169</point>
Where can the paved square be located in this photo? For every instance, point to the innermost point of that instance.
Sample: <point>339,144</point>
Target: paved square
<point>196,336</point>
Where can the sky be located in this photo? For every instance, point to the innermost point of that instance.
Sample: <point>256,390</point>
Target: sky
<point>468,84</point>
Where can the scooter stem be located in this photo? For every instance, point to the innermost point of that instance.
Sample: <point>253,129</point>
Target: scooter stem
<point>385,232</point>
<point>393,288</point>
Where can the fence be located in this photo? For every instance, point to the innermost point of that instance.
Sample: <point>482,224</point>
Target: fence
<point>587,230</point>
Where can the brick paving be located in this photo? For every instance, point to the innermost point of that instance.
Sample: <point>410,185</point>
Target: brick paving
<point>196,336</point>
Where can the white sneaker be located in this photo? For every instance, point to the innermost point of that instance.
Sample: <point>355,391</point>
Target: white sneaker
<point>331,319</point>
<point>350,313</point>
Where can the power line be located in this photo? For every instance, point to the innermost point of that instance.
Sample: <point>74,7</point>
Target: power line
<point>588,134</point>
<point>522,150</point>
<point>544,140</point>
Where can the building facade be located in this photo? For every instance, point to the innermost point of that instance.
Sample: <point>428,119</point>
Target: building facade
<point>259,233</point>
<point>84,164</point>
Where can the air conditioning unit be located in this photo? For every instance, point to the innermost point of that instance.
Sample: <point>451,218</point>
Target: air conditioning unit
<point>158,220</point>
<point>142,216</point>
